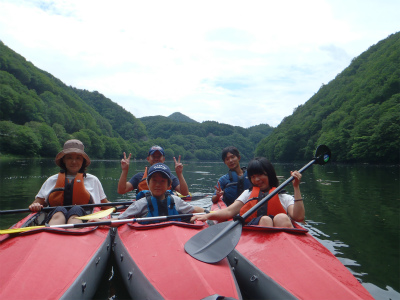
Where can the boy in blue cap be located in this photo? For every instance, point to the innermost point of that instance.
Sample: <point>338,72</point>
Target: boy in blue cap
<point>138,181</point>
<point>158,202</point>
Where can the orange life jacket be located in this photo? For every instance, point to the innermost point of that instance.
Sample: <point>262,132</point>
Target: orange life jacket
<point>142,186</point>
<point>273,205</point>
<point>69,193</point>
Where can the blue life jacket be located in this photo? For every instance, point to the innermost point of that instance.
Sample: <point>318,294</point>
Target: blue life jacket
<point>158,208</point>
<point>236,186</point>
<point>143,193</point>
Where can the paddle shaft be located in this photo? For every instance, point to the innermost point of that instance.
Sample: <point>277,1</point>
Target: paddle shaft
<point>274,192</point>
<point>106,222</point>
<point>124,221</point>
<point>46,209</point>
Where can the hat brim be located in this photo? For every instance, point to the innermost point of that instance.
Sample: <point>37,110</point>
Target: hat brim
<point>158,171</point>
<point>62,153</point>
<point>154,151</point>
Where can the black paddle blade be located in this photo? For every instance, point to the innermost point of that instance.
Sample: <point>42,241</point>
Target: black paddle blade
<point>322,155</point>
<point>214,243</point>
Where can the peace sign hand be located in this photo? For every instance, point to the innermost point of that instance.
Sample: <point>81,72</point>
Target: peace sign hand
<point>219,191</point>
<point>125,162</point>
<point>178,165</point>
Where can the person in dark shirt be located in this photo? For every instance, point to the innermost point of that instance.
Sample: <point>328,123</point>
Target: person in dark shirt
<point>138,181</point>
<point>232,184</point>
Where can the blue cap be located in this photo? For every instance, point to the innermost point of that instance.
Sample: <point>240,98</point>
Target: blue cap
<point>159,167</point>
<point>156,148</point>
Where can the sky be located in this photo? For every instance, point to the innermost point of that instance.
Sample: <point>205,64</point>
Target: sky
<point>242,63</point>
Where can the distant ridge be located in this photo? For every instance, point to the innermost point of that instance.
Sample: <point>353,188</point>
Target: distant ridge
<point>179,117</point>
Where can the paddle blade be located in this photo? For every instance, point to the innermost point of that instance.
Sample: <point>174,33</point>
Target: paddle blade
<point>18,230</point>
<point>98,215</point>
<point>322,155</point>
<point>214,243</point>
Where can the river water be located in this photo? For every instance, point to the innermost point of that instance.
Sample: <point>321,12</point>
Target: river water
<point>353,210</point>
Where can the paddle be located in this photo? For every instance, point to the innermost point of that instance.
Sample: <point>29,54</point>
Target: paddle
<point>190,197</point>
<point>46,209</point>
<point>106,222</point>
<point>99,214</point>
<point>216,242</point>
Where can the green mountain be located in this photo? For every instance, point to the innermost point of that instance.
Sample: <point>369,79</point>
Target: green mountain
<point>205,140</point>
<point>357,114</point>
<point>177,116</point>
<point>38,113</point>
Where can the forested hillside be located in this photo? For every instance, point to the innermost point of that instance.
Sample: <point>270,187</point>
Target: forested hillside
<point>205,140</point>
<point>357,114</point>
<point>38,113</point>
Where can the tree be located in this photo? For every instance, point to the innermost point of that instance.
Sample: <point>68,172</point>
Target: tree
<point>50,145</point>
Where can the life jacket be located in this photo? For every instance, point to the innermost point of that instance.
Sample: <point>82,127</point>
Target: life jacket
<point>69,193</point>
<point>272,207</point>
<point>143,183</point>
<point>235,187</point>
<point>158,208</point>
<point>143,193</point>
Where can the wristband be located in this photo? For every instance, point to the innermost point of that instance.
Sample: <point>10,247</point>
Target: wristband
<point>298,200</point>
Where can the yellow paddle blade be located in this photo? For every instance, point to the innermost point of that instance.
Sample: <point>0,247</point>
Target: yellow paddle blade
<point>17,230</point>
<point>182,196</point>
<point>98,215</point>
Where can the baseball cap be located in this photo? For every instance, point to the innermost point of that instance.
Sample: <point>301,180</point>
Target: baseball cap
<point>156,148</point>
<point>159,167</point>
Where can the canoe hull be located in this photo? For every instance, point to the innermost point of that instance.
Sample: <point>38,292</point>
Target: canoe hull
<point>271,263</point>
<point>154,265</point>
<point>71,262</point>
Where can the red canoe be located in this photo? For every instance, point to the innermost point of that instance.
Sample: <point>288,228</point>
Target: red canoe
<point>53,263</point>
<point>279,263</point>
<point>284,263</point>
<point>154,264</point>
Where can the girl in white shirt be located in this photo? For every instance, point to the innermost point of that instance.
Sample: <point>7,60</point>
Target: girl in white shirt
<point>73,161</point>
<point>281,208</point>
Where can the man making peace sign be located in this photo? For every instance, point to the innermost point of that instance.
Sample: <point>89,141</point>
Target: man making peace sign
<point>138,181</point>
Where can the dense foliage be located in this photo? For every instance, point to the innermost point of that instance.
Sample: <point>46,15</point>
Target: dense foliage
<point>38,113</point>
<point>205,140</point>
<point>357,114</point>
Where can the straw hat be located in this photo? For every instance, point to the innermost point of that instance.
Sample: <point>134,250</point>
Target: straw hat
<point>72,146</point>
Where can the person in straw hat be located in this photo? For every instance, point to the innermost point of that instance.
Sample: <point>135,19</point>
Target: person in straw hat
<point>71,186</point>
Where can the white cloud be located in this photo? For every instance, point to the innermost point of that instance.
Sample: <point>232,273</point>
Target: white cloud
<point>235,62</point>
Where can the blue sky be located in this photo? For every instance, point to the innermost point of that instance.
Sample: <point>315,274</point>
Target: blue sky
<point>242,63</point>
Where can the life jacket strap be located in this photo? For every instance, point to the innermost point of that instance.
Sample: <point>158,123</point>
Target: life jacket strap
<point>68,190</point>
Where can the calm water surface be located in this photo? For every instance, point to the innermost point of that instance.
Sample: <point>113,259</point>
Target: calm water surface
<point>352,210</point>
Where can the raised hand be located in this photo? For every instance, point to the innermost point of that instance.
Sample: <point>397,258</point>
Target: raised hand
<point>178,165</point>
<point>219,191</point>
<point>125,162</point>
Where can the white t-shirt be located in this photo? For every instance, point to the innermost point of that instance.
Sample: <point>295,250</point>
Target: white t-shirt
<point>92,185</point>
<point>286,199</point>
